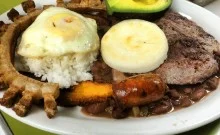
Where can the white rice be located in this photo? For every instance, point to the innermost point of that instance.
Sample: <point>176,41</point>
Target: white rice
<point>65,70</point>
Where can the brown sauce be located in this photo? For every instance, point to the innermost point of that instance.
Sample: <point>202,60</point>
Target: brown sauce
<point>101,114</point>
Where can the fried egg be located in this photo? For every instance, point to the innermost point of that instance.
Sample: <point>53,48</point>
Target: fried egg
<point>58,31</point>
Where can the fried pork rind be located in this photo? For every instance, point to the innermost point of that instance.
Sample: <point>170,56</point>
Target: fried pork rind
<point>85,93</point>
<point>3,28</point>
<point>28,6</point>
<point>83,5</point>
<point>30,89</point>
<point>13,14</point>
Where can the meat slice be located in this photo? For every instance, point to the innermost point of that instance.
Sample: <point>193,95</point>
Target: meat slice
<point>191,51</point>
<point>176,27</point>
<point>101,72</point>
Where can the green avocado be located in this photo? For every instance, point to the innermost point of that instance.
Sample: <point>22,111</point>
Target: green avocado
<point>137,6</point>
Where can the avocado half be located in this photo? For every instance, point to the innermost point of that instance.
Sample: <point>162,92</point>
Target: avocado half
<point>136,6</point>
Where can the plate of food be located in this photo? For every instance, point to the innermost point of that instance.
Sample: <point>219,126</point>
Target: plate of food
<point>106,67</point>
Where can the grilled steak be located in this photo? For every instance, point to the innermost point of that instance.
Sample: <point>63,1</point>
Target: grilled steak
<point>191,51</point>
<point>101,72</point>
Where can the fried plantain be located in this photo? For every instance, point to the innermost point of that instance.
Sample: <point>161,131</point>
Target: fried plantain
<point>85,93</point>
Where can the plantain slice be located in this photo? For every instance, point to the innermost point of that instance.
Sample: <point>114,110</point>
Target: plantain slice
<point>85,93</point>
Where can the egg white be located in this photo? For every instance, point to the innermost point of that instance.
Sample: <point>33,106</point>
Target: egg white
<point>58,31</point>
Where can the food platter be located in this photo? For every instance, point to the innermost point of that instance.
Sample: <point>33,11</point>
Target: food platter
<point>72,121</point>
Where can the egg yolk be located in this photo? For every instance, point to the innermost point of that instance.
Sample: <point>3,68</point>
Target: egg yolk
<point>65,25</point>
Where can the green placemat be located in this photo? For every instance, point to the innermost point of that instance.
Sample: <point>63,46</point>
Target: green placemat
<point>19,128</point>
<point>7,4</point>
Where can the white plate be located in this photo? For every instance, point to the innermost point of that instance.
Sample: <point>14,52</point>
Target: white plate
<point>72,121</point>
<point>214,7</point>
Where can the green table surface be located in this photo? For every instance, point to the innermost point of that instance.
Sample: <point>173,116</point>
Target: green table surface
<point>19,128</point>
